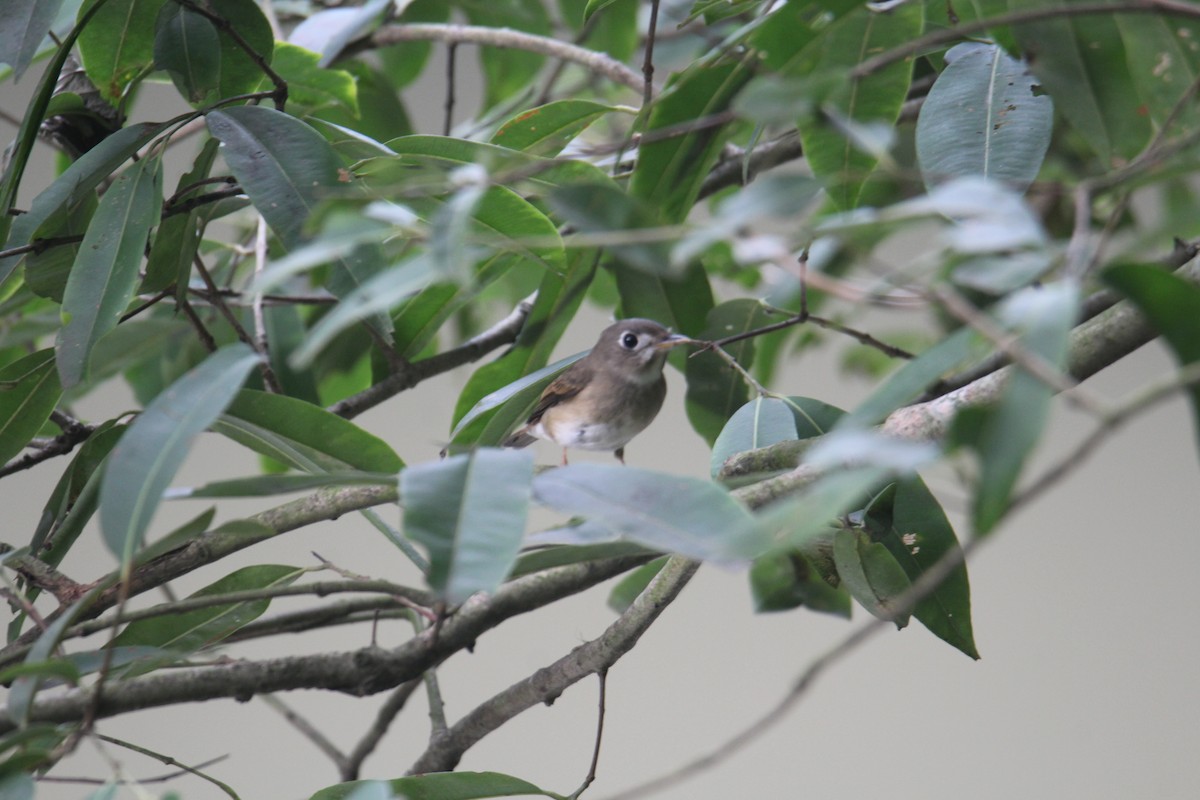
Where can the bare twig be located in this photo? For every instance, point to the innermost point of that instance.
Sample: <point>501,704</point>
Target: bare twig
<point>74,433</point>
<point>598,63</point>
<point>503,332</point>
<point>451,62</point>
<point>383,720</point>
<point>648,61</point>
<point>307,730</point>
<point>590,778</point>
<point>549,682</point>
<point>966,29</point>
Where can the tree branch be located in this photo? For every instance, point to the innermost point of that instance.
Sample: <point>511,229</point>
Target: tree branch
<point>358,672</point>
<point>598,63</point>
<point>503,332</point>
<point>1094,345</point>
<point>545,685</point>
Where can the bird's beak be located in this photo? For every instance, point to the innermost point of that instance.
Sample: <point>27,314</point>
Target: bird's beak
<point>674,340</point>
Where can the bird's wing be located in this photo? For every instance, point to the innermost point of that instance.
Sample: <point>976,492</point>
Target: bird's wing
<point>565,386</point>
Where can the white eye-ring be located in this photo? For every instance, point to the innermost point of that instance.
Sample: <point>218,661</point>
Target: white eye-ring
<point>629,340</point>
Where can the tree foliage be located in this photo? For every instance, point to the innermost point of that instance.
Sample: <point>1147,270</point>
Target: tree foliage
<point>735,169</point>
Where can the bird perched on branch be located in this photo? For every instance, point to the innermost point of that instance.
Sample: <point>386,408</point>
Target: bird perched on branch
<point>607,397</point>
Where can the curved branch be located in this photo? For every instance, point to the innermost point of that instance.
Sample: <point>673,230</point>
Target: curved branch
<point>358,672</point>
<point>599,63</point>
<point>545,685</point>
<point>966,29</point>
<point>1101,341</point>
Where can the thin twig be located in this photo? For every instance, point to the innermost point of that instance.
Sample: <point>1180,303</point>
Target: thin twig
<point>1037,366</point>
<point>383,720</point>
<point>599,63</point>
<point>280,94</point>
<point>264,362</point>
<point>503,332</point>
<point>448,107</point>
<point>62,444</point>
<point>549,682</point>
<point>307,730</point>
<point>171,762</point>
<point>648,61</point>
<point>206,339</point>
<point>964,30</point>
<point>590,778</point>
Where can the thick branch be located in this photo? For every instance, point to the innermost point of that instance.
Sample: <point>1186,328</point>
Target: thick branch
<point>545,685</point>
<point>1101,341</point>
<point>357,672</point>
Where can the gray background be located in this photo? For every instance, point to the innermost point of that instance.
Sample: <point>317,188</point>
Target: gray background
<point>1082,611</point>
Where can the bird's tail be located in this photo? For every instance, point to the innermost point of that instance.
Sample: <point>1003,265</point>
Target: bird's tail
<point>520,438</point>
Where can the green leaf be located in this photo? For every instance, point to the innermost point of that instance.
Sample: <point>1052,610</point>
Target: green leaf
<point>983,117</point>
<point>605,209</point>
<point>303,435</point>
<point>670,170</point>
<point>1172,305</point>
<point>143,463</point>
<point>239,73</point>
<point>915,377</point>
<point>1004,434</point>
<point>105,274</point>
<point>507,71</point>
<point>915,530</point>
<point>469,512</point>
<point>714,389</point>
<point>628,588</point>
<point>561,555</point>
<point>178,236</point>
<point>24,25</point>
<point>311,85</point>
<point>761,422</point>
<point>29,391</point>
<point>783,581</point>
<point>135,341</point>
<point>546,130</point>
<point>287,169</point>
<point>813,417</point>
<point>870,573</point>
<point>25,688</point>
<point>190,631</point>
<point>671,513</point>
<point>558,298</point>
<point>1082,62</point>
<point>680,303</point>
<point>518,397</point>
<point>51,208</point>
<point>798,520</point>
<point>265,485</point>
<point>876,98</point>
<point>117,46</point>
<point>187,46</point>
<point>73,500</point>
<point>444,786</point>
<point>1163,63</point>
<point>595,7</point>
<point>374,297</point>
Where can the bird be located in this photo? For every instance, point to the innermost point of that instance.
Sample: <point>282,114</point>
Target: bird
<point>607,397</point>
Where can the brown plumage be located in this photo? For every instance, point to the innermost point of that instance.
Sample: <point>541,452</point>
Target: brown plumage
<point>607,397</point>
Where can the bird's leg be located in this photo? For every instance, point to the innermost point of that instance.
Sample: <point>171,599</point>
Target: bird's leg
<point>564,463</point>
<point>620,454</point>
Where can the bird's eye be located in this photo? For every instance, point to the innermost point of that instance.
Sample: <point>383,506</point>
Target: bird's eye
<point>629,340</point>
